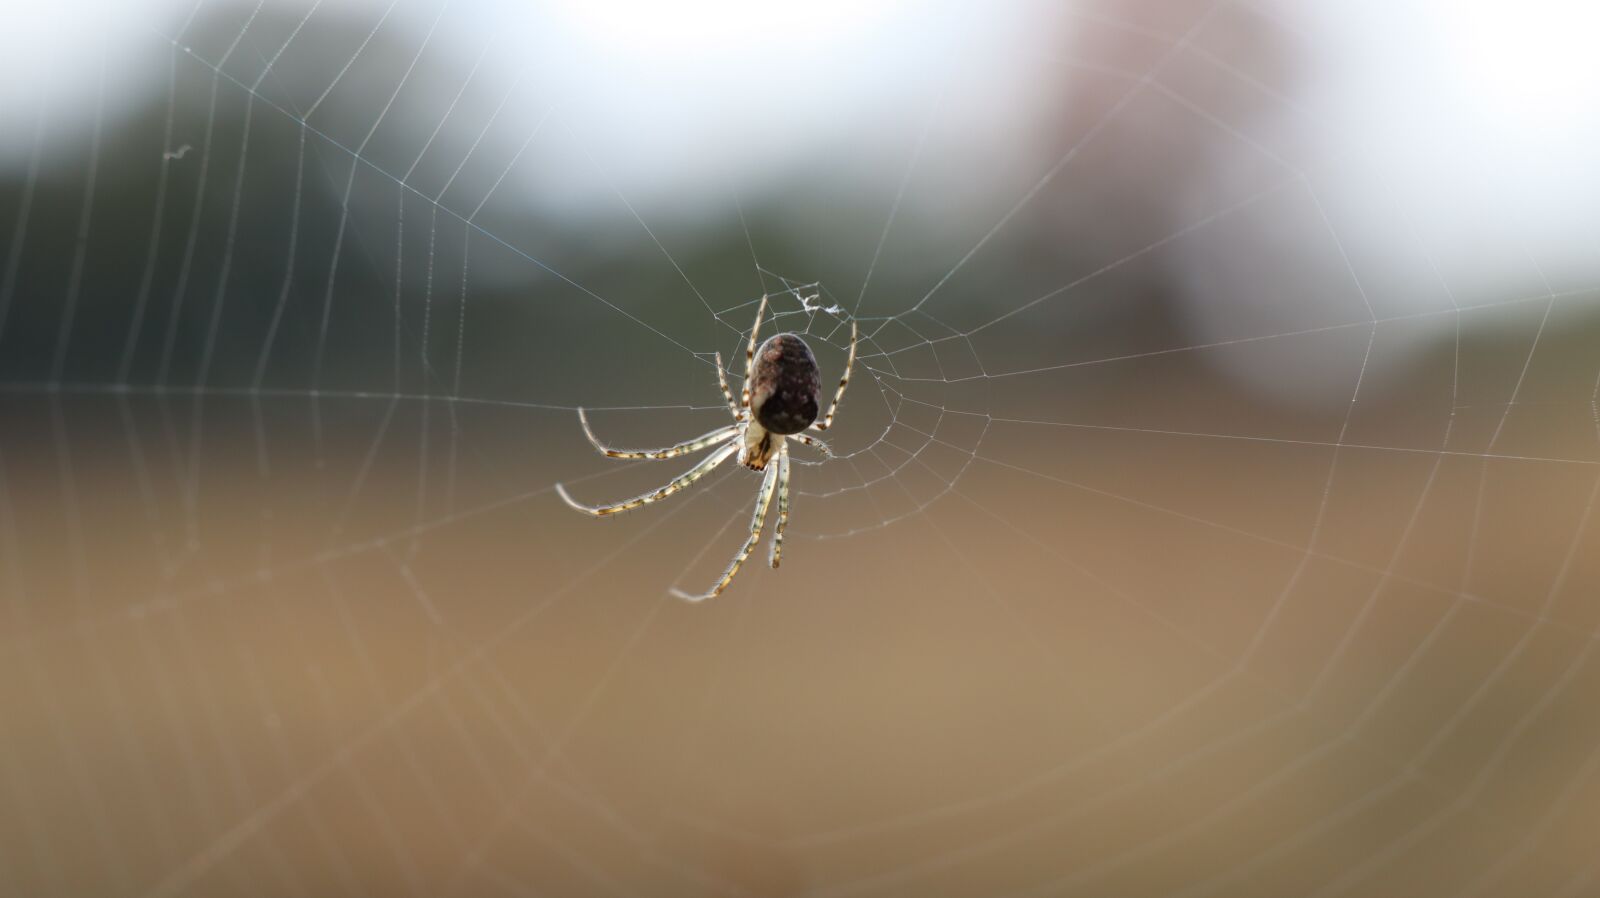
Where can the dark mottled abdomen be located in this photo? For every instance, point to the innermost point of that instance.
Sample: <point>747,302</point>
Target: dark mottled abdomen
<point>784,384</point>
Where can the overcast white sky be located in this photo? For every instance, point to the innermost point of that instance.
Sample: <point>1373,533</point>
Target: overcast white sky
<point>1479,118</point>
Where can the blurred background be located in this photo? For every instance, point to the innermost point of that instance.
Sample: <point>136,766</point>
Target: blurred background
<point>1213,508</point>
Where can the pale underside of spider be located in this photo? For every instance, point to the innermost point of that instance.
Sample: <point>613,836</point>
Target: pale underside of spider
<point>777,403</point>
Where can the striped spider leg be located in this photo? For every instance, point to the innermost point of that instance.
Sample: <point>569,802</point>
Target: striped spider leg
<point>758,520</point>
<point>849,365</point>
<point>706,466</point>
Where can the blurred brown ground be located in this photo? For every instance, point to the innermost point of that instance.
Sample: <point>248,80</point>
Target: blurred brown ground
<point>1035,679</point>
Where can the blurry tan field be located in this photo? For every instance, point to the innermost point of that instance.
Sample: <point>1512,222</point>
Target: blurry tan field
<point>1104,674</point>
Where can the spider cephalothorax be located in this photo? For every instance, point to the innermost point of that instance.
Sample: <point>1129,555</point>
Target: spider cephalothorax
<point>778,401</point>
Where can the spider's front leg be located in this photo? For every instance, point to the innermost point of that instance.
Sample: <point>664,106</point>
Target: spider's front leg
<point>783,506</point>
<point>757,521</point>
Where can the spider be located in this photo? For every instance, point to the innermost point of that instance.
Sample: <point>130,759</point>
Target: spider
<point>778,401</point>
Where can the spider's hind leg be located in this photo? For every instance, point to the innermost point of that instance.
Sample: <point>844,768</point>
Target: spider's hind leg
<point>849,365</point>
<point>722,380</point>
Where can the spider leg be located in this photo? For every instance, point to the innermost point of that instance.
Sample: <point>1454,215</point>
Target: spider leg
<point>722,379</point>
<point>813,442</point>
<point>686,478</point>
<point>759,519</point>
<point>783,505</point>
<point>684,448</point>
<point>844,381</point>
<point>750,355</point>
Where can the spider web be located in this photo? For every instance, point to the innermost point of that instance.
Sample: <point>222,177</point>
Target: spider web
<point>1208,517</point>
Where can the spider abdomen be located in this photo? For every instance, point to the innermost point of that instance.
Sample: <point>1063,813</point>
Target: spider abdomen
<point>784,382</point>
